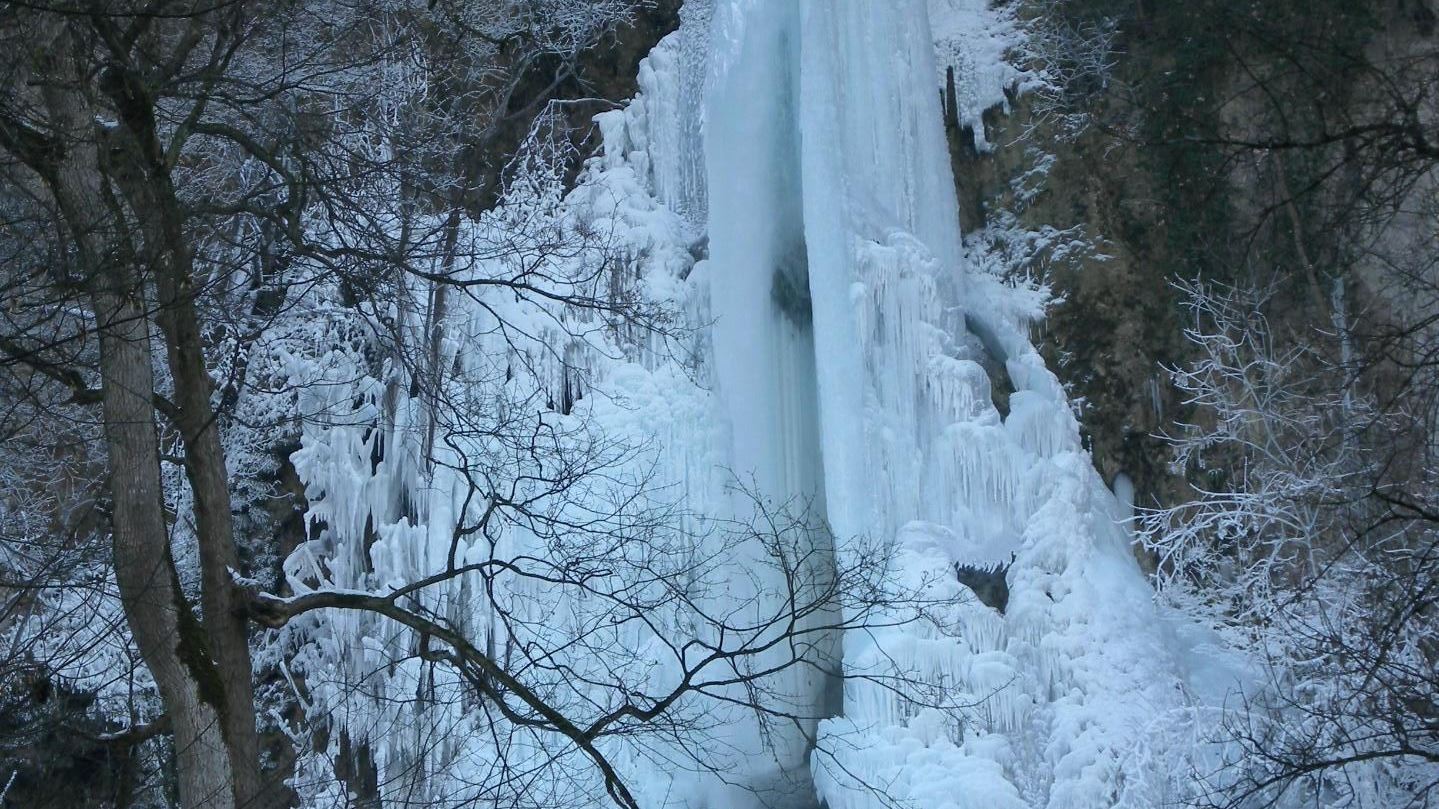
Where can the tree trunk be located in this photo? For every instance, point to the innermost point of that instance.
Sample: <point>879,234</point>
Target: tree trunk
<point>226,624</point>
<point>171,640</point>
<point>168,635</point>
<point>148,188</point>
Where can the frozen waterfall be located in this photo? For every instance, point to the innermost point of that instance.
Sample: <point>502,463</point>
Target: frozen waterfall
<point>827,166</point>
<point>783,179</point>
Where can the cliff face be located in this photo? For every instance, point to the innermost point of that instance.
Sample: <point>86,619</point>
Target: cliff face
<point>1114,323</point>
<point>1198,140</point>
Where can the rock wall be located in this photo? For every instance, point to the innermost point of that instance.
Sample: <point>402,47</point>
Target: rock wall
<point>1152,161</point>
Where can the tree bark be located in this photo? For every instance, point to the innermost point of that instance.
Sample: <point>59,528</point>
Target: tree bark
<point>168,635</point>
<point>144,179</point>
<point>171,640</point>
<point>170,260</point>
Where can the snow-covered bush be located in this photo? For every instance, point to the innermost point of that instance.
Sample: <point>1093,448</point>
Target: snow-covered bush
<point>1305,546</point>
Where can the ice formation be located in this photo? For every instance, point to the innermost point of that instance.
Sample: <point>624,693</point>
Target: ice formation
<point>782,180</point>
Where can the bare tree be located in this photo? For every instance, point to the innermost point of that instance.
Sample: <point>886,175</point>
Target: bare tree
<point>1303,541</point>
<point>1074,53</point>
<point>170,164</point>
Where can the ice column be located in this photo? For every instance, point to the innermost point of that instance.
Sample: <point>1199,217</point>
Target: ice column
<point>764,354</point>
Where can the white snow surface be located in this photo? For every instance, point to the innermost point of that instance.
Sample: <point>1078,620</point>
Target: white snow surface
<point>799,137</point>
<point>974,39</point>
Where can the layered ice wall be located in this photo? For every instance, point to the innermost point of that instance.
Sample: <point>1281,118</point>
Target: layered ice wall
<point>1046,699</point>
<point>783,180</point>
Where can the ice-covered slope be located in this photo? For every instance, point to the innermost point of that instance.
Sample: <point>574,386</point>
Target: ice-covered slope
<point>783,180</point>
<point>1065,680</point>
